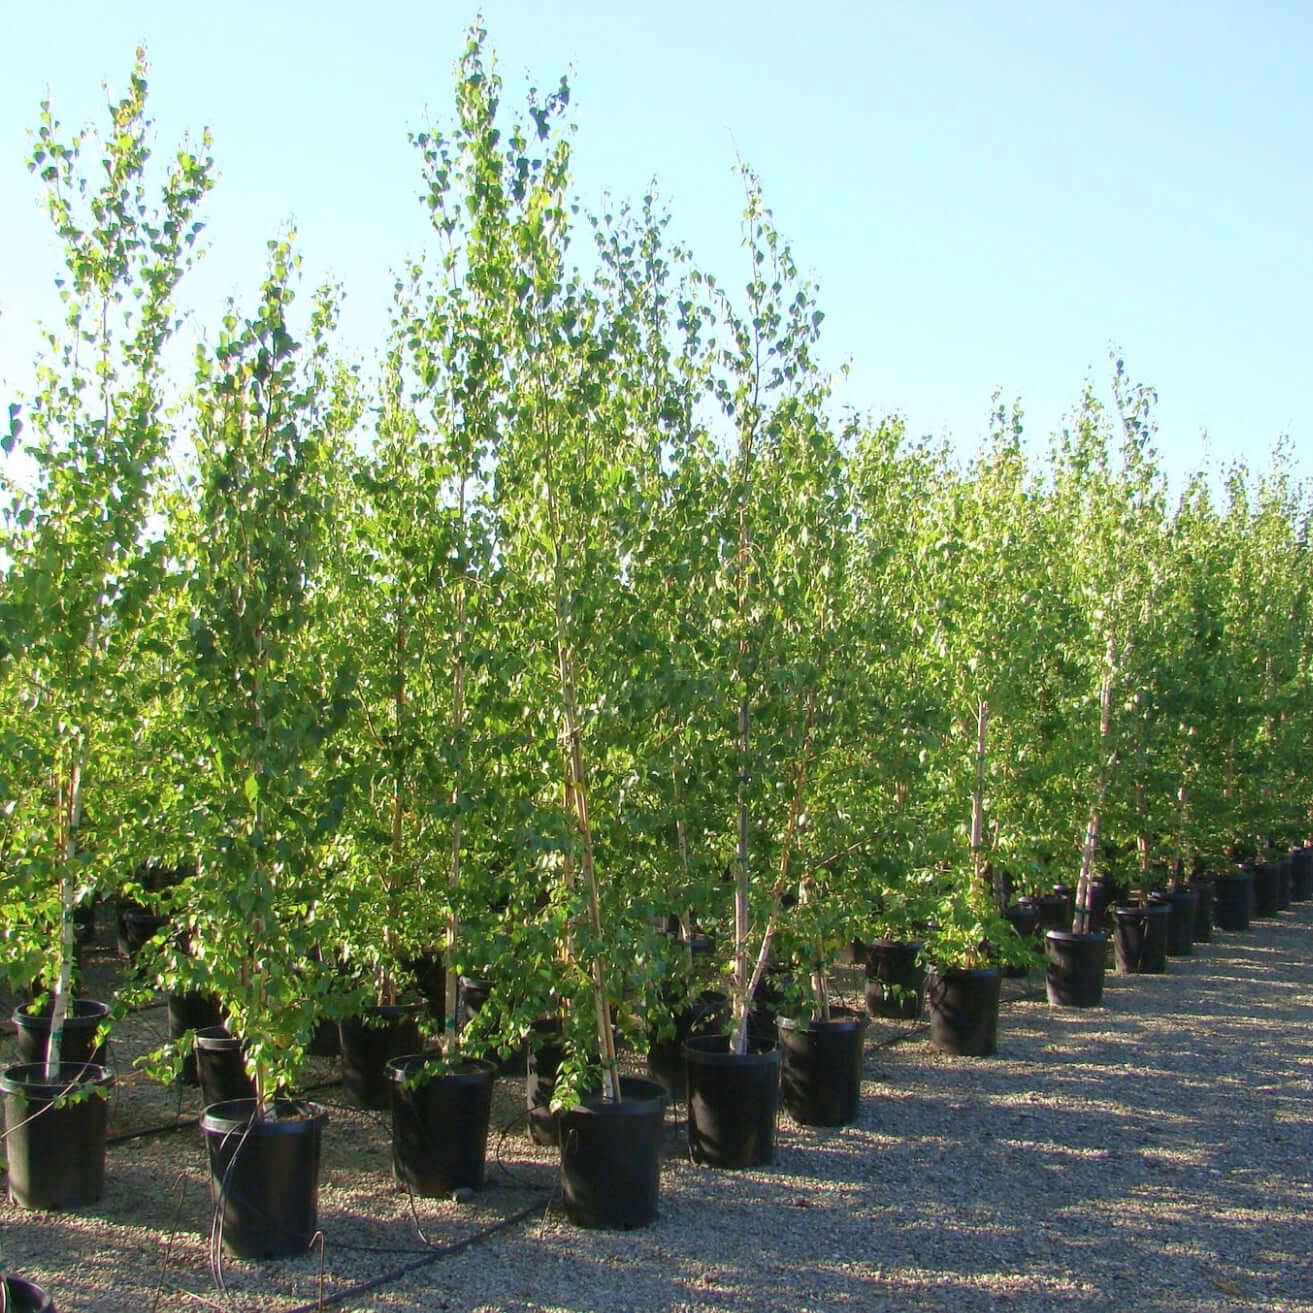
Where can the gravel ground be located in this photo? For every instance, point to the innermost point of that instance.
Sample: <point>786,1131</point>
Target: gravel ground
<point>1151,1155</point>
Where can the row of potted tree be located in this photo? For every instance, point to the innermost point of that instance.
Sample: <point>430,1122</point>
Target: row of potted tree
<point>583,638</point>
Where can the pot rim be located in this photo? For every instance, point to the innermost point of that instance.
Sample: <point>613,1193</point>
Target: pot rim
<point>239,1115</point>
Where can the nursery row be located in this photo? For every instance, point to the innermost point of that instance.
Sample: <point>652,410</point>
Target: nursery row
<point>586,637</point>
<point>263,1179</point>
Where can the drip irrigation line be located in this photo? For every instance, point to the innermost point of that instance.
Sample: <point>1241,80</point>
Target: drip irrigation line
<point>388,1278</point>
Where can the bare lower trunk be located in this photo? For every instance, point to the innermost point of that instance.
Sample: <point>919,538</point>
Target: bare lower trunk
<point>1089,849</point>
<point>71,820</point>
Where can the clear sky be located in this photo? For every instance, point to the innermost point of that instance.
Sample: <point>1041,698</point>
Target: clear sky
<point>987,195</point>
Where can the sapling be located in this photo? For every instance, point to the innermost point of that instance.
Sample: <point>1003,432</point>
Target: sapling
<point>84,559</point>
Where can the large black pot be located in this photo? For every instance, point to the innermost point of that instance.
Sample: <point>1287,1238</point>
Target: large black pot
<point>1301,875</point>
<point>1024,919</point>
<point>1182,906</point>
<point>369,1042</point>
<point>1076,967</point>
<point>895,979</point>
<point>703,1014</point>
<point>545,1055</point>
<point>611,1157</point>
<point>1140,939</point>
<point>963,1005</point>
<point>1267,889</point>
<point>136,928</point>
<point>430,975</point>
<point>1284,880</point>
<point>56,1151</point>
<point>264,1175</point>
<point>472,993</point>
<point>1054,911</point>
<point>1233,900</point>
<point>1203,912</point>
<point>80,1025</point>
<point>220,1066</point>
<point>192,1012</point>
<point>440,1124</point>
<point>733,1102</point>
<point>821,1070</point>
<point>24,1296</point>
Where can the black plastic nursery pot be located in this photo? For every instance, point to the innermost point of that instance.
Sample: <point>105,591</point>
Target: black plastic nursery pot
<point>472,993</point>
<point>895,979</point>
<point>733,1102</point>
<point>1267,889</point>
<point>430,975</point>
<point>1024,919</point>
<point>545,1055</point>
<point>1054,911</point>
<point>1284,880</point>
<point>963,1005</point>
<point>220,1067</point>
<point>1140,939</point>
<point>1233,900</point>
<point>24,1296</point>
<point>264,1175</point>
<point>1301,875</point>
<point>80,1026</point>
<point>369,1042</point>
<point>1182,907</point>
<point>1076,966</point>
<point>821,1068</point>
<point>704,1013</point>
<point>1203,912</point>
<point>611,1157</point>
<point>136,928</point>
<point>439,1124</point>
<point>192,1012</point>
<point>56,1149</point>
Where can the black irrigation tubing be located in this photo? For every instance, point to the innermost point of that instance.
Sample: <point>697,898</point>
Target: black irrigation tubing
<point>442,1251</point>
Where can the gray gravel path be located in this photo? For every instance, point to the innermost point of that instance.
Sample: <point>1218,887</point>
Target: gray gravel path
<point>1152,1155</point>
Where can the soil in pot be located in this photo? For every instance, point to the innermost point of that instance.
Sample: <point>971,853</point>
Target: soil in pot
<point>191,1012</point>
<point>56,1151</point>
<point>264,1176</point>
<point>1076,967</point>
<point>895,979</point>
<point>611,1157</point>
<point>220,1067</point>
<point>705,1013</point>
<point>1140,939</point>
<point>440,1124</point>
<point>1233,900</point>
<point>80,1026</point>
<point>821,1069</point>
<point>963,1006</point>
<point>733,1102</point>
<point>369,1042</point>
<point>1182,905</point>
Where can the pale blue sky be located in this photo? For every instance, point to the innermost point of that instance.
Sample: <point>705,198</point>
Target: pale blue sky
<point>986,194</point>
